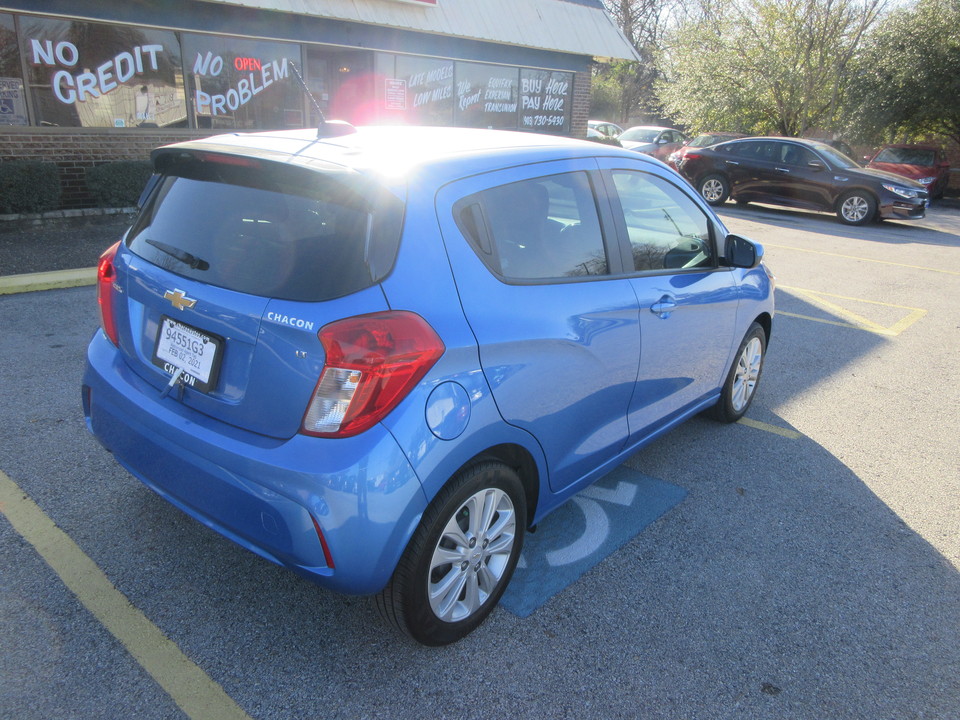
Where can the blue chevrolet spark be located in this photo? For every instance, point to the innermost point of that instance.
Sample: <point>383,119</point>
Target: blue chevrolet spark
<point>378,356</point>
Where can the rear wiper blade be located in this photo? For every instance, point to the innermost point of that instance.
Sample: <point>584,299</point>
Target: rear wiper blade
<point>182,255</point>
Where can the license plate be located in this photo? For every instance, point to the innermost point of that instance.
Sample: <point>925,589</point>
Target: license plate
<point>184,347</point>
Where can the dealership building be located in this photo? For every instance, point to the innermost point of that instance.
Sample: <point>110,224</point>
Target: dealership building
<point>84,82</point>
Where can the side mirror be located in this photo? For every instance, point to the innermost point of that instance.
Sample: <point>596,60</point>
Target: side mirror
<point>816,166</point>
<point>741,253</point>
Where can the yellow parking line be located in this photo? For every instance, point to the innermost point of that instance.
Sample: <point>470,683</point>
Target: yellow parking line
<point>783,432</point>
<point>30,282</point>
<point>857,257</point>
<point>190,687</point>
<point>855,320</point>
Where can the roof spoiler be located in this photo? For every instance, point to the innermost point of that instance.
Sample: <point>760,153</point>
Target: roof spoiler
<point>326,128</point>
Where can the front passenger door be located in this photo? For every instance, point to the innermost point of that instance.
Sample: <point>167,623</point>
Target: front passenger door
<point>688,302</point>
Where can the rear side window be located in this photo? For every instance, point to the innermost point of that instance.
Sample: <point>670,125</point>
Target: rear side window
<point>266,229</point>
<point>543,228</point>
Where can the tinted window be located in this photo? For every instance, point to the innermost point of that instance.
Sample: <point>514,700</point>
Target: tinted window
<point>667,230</point>
<point>796,155</point>
<point>268,230</point>
<point>755,149</point>
<point>547,227</point>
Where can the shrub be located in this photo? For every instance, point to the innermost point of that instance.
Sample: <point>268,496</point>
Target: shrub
<point>118,184</point>
<point>29,186</point>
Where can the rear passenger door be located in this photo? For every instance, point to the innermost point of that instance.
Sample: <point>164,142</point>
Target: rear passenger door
<point>688,302</point>
<point>536,266</point>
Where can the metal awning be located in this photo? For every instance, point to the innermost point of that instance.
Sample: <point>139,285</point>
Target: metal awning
<point>578,27</point>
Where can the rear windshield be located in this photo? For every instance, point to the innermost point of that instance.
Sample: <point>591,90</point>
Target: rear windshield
<point>268,229</point>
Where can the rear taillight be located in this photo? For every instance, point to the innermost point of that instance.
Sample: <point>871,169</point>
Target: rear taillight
<point>372,363</point>
<point>106,274</point>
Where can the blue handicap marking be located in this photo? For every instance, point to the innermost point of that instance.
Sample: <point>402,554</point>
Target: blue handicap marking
<point>583,531</point>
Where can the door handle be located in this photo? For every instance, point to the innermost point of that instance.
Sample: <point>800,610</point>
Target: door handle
<point>663,307</point>
<point>731,162</point>
<point>783,170</point>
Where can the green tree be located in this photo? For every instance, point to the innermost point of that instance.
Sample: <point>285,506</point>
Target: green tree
<point>907,80</point>
<point>764,66</point>
<point>624,88</point>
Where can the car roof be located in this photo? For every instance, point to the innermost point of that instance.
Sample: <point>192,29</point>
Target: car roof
<point>809,142</point>
<point>910,146</point>
<point>398,151</point>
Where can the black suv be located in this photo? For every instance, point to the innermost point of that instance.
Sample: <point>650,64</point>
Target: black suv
<point>803,174</point>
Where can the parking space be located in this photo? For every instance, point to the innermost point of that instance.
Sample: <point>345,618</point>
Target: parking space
<point>802,563</point>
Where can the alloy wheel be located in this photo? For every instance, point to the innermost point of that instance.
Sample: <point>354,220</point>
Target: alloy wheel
<point>747,373</point>
<point>471,555</point>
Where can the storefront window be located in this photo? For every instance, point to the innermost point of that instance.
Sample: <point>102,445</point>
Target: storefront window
<point>13,106</point>
<point>95,75</point>
<point>244,84</point>
<point>546,99</point>
<point>417,90</point>
<point>487,96</point>
<point>342,82</point>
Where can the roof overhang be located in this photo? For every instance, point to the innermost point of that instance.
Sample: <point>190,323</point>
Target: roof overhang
<point>578,27</point>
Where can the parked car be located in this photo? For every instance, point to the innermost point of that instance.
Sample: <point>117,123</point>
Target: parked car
<point>701,140</point>
<point>652,140</point>
<point>803,174</point>
<point>596,136</point>
<point>924,163</point>
<point>378,358</point>
<point>605,128</point>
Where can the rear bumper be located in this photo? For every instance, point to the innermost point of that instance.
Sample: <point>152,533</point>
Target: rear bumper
<point>262,493</point>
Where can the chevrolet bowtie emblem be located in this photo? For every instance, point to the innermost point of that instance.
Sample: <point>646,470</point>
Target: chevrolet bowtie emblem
<point>179,299</point>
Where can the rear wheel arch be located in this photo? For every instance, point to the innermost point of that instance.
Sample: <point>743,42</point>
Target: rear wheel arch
<point>519,459</point>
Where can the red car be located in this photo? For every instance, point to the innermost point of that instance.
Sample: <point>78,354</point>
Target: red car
<point>700,141</point>
<point>924,163</point>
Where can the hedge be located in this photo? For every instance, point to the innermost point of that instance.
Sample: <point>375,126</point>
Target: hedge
<point>29,186</point>
<point>118,184</point>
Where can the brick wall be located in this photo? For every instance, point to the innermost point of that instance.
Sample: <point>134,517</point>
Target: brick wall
<point>74,151</point>
<point>581,104</point>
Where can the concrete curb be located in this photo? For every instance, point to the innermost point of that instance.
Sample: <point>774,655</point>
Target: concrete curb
<point>32,282</point>
<point>63,214</point>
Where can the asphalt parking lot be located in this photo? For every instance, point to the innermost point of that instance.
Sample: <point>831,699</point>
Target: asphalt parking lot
<point>807,570</point>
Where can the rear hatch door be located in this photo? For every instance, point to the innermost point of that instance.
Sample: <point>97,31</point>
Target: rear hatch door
<point>232,268</point>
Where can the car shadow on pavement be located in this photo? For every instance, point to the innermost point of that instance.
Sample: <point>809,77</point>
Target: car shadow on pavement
<point>940,227</point>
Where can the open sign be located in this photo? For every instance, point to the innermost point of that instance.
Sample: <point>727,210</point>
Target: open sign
<point>246,64</point>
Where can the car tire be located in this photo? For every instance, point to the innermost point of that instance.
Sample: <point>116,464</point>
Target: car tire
<point>714,189</point>
<point>461,557</point>
<point>744,376</point>
<point>856,208</point>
